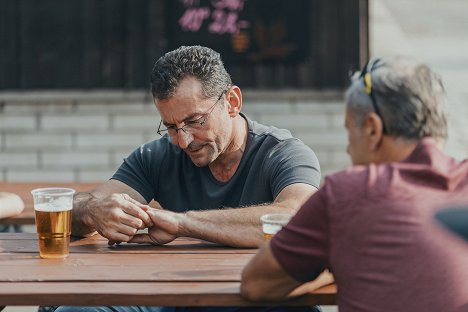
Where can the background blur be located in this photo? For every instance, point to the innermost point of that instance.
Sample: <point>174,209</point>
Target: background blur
<point>73,75</point>
<point>49,132</point>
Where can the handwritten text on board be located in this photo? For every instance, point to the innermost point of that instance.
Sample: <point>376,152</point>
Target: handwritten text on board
<point>222,16</point>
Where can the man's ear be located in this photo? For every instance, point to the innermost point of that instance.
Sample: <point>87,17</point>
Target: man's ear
<point>234,98</point>
<point>373,130</point>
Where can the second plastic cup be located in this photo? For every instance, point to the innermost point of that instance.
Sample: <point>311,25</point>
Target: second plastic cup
<point>273,223</point>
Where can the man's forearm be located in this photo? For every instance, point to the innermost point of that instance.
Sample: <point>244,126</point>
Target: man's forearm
<point>236,227</point>
<point>81,223</point>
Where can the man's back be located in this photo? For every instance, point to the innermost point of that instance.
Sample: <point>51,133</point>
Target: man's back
<point>374,227</point>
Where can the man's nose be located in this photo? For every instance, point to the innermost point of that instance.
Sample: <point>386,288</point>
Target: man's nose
<point>184,138</point>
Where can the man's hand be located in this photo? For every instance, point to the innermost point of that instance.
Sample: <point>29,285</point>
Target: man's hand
<point>118,217</point>
<point>166,227</point>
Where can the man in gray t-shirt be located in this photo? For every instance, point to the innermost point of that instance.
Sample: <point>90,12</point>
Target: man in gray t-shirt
<point>210,156</point>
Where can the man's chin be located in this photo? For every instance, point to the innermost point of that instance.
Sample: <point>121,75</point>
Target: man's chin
<point>199,160</point>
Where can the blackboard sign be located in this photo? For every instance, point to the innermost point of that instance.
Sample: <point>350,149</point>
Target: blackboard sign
<point>243,31</point>
<point>56,44</point>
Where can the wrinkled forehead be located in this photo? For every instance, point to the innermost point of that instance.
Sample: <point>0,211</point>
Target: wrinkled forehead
<point>187,101</point>
<point>188,90</point>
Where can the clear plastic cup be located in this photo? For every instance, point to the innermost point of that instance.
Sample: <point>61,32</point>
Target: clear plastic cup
<point>273,223</point>
<point>53,208</point>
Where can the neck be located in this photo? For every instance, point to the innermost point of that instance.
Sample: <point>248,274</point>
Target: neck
<point>394,149</point>
<point>224,167</point>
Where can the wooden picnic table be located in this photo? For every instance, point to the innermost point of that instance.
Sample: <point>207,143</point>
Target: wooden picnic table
<point>187,272</point>
<point>23,190</point>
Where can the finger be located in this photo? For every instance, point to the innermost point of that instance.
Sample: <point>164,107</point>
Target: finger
<point>131,221</point>
<point>135,210</point>
<point>126,229</point>
<point>133,201</point>
<point>149,222</point>
<point>116,237</point>
<point>141,239</point>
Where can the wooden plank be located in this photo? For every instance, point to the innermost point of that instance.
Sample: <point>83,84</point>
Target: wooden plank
<point>24,191</point>
<point>9,52</point>
<point>328,42</point>
<point>183,279</point>
<point>31,246</point>
<point>136,72</point>
<point>349,37</point>
<point>156,40</point>
<point>9,244</point>
<point>67,39</point>
<point>28,41</point>
<point>364,52</point>
<point>195,270</point>
<point>113,44</point>
<point>17,236</point>
<point>46,33</point>
<point>91,61</point>
<point>151,294</point>
<point>242,75</point>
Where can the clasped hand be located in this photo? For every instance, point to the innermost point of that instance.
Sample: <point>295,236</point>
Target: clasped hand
<point>119,217</point>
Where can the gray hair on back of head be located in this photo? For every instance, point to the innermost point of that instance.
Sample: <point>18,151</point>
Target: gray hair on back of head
<point>410,96</point>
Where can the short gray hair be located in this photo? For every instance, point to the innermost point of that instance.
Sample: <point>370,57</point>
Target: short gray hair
<point>200,62</point>
<point>409,95</point>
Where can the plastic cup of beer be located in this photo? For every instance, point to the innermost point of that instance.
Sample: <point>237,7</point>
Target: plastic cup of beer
<point>273,223</point>
<point>53,208</point>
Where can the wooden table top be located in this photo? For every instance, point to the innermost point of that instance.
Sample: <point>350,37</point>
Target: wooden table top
<point>23,190</point>
<point>186,272</point>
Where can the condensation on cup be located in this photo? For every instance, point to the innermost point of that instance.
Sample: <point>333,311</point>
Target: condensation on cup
<point>273,223</point>
<point>53,211</point>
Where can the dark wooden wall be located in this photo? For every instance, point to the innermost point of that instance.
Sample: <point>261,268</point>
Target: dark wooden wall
<point>56,44</point>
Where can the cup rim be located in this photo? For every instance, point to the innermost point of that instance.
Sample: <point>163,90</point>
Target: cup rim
<point>287,217</point>
<point>55,191</point>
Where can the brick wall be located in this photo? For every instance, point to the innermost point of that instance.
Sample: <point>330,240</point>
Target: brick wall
<point>83,136</point>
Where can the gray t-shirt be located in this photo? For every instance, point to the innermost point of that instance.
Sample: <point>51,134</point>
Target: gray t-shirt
<point>272,160</point>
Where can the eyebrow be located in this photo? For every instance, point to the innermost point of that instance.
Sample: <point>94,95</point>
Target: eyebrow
<point>185,119</point>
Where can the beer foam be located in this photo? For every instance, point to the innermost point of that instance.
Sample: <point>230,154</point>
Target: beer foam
<point>271,228</point>
<point>61,204</point>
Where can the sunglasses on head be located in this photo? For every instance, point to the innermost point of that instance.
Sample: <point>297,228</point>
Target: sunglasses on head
<point>366,75</point>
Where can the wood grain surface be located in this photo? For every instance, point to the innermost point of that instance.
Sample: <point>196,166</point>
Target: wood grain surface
<point>187,272</point>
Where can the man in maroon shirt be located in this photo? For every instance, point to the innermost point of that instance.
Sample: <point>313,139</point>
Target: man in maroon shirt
<point>373,224</point>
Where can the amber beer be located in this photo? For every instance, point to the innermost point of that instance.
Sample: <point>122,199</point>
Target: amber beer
<point>53,209</point>
<point>273,223</point>
<point>53,231</point>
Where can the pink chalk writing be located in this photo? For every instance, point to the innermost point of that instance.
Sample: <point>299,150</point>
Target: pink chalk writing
<point>224,19</point>
<point>193,18</point>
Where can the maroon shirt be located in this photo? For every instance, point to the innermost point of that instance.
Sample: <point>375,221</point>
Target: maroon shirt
<point>374,227</point>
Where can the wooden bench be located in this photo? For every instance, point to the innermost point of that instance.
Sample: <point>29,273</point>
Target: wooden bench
<point>24,191</point>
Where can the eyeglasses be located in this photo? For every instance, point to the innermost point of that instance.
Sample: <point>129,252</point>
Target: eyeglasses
<point>367,78</point>
<point>192,125</point>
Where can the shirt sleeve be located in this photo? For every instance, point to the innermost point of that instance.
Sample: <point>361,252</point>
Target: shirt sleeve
<point>289,162</point>
<point>139,170</point>
<point>302,246</point>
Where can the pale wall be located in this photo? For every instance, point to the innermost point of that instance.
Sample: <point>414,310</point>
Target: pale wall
<point>83,136</point>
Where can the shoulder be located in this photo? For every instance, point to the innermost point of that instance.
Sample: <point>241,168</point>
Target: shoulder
<point>263,131</point>
<point>276,139</point>
<point>357,180</point>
